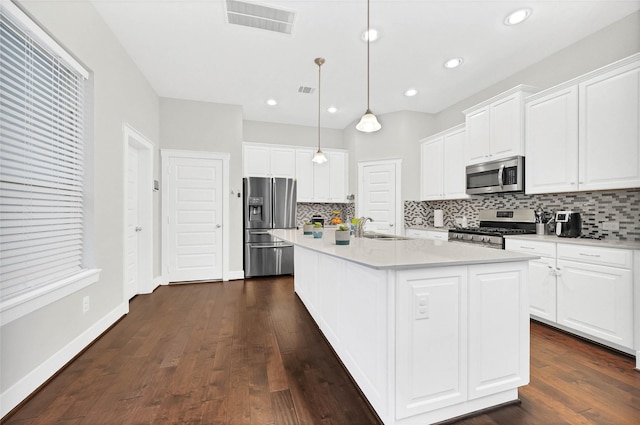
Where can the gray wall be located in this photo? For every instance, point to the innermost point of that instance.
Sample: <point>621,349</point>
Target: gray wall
<point>608,45</point>
<point>209,127</point>
<point>296,135</point>
<point>121,94</point>
<point>398,139</point>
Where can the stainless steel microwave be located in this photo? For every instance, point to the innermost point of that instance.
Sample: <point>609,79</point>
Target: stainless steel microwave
<point>503,175</point>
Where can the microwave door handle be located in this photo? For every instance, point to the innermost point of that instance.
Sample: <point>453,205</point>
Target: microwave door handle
<point>500,173</point>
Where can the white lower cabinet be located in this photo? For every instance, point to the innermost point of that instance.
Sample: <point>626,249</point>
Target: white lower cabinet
<point>498,329</point>
<point>439,235</point>
<point>431,345</point>
<point>596,300</point>
<point>580,288</point>
<point>462,334</point>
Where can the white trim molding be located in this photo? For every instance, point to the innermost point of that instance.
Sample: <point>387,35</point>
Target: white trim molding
<point>15,394</point>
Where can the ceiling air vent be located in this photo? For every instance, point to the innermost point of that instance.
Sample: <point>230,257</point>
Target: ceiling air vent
<point>306,90</point>
<point>258,16</point>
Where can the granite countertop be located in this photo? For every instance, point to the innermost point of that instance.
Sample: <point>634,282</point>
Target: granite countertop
<point>604,243</point>
<point>400,254</point>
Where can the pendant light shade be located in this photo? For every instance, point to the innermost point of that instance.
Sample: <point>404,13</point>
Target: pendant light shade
<point>319,157</point>
<point>368,123</point>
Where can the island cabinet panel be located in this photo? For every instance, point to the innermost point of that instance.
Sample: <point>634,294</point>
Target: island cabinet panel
<point>431,340</point>
<point>349,303</point>
<point>498,329</point>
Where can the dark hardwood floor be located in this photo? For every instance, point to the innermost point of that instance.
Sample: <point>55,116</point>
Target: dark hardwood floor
<point>247,352</point>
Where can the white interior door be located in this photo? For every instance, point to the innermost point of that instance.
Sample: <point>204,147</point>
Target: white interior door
<point>138,220</point>
<point>379,195</point>
<point>194,219</point>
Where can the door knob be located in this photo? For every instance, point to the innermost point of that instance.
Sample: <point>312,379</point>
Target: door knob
<point>218,226</point>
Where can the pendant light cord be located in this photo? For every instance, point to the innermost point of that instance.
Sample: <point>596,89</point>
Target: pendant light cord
<point>319,92</point>
<point>368,55</point>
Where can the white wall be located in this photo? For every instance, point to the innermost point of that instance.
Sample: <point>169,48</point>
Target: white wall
<point>210,127</point>
<point>38,343</point>
<point>296,135</point>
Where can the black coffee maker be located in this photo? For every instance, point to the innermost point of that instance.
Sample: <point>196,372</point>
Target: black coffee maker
<point>568,224</point>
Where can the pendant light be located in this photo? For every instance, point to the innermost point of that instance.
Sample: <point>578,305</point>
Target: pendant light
<point>319,157</point>
<point>368,123</point>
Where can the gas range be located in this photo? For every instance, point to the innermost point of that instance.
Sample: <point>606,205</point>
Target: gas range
<point>494,225</point>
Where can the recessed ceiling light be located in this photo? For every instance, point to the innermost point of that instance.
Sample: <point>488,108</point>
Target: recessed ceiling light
<point>517,17</point>
<point>411,92</point>
<point>332,109</point>
<point>271,102</point>
<point>453,63</point>
<point>373,34</point>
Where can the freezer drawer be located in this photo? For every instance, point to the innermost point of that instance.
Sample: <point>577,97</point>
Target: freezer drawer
<point>268,259</point>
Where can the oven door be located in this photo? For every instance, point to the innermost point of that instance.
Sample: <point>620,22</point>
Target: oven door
<point>505,175</point>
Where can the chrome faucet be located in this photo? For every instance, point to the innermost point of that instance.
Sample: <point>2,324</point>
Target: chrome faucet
<point>359,227</point>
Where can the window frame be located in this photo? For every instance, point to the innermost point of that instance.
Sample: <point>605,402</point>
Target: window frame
<point>39,296</point>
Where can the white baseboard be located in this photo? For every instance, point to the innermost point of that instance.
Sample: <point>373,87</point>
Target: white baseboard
<point>14,395</point>
<point>159,280</point>
<point>235,275</point>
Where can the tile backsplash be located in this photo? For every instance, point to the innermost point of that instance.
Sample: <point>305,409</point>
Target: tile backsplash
<point>622,206</point>
<point>304,211</point>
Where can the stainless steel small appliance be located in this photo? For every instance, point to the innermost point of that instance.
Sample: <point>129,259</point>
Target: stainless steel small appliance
<point>269,203</point>
<point>494,225</point>
<point>568,224</point>
<point>503,175</point>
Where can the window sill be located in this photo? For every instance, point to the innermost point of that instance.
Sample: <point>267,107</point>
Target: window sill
<point>21,305</point>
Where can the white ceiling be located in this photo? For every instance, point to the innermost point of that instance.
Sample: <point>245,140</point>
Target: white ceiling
<point>187,50</point>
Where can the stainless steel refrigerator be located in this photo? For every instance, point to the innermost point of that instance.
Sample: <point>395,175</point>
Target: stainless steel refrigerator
<point>269,203</point>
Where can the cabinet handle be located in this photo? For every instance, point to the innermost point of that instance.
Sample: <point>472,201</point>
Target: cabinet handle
<point>526,247</point>
<point>589,255</point>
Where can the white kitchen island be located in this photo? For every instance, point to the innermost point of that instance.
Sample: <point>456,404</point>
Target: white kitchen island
<point>429,330</point>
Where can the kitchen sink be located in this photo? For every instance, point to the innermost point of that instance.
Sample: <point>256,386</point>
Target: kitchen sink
<point>385,237</point>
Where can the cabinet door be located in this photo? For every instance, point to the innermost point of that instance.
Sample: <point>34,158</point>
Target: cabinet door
<point>506,127</point>
<point>478,135</point>
<point>337,162</point>
<point>431,339</point>
<point>498,328</point>
<point>454,165</point>
<point>610,130</point>
<point>552,142</point>
<point>322,181</point>
<point>255,161</point>
<point>283,162</point>
<point>596,300</point>
<point>431,170</point>
<point>304,175</point>
<point>542,288</point>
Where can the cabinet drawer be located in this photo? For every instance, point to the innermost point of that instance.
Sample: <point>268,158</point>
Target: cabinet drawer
<point>596,255</point>
<point>543,249</point>
<point>416,233</point>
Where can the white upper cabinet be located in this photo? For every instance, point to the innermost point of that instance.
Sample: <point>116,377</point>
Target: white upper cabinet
<point>304,175</point>
<point>551,152</point>
<point>495,128</point>
<point>260,160</point>
<point>585,134</point>
<point>609,129</point>
<point>443,159</point>
<point>326,182</point>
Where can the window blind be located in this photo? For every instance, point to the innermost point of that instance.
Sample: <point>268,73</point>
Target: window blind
<point>41,162</point>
